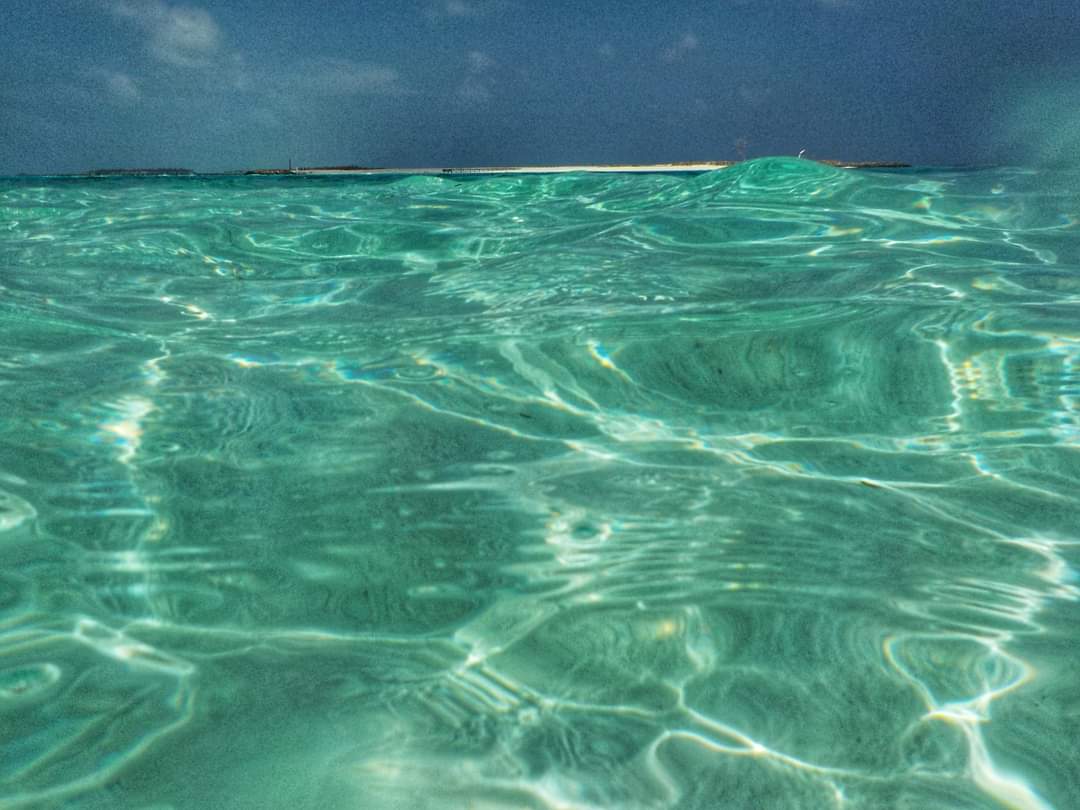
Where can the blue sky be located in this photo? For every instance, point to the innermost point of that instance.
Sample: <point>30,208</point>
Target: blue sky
<point>229,84</point>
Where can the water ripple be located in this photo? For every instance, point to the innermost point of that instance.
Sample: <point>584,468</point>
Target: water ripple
<point>752,488</point>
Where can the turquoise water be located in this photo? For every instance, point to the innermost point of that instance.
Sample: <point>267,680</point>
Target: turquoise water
<point>749,489</point>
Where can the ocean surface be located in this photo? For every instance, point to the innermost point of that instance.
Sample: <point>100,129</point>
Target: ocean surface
<point>756,488</point>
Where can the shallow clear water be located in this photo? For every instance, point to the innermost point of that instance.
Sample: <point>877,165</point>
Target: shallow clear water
<point>749,489</point>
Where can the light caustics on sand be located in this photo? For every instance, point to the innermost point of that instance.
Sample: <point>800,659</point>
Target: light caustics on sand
<point>751,488</point>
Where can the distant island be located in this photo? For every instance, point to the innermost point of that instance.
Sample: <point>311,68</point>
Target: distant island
<point>138,172</point>
<point>691,166</point>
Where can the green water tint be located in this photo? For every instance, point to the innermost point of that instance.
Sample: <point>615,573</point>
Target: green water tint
<point>749,489</point>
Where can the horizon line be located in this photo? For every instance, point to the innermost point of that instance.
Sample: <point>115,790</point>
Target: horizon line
<point>559,168</point>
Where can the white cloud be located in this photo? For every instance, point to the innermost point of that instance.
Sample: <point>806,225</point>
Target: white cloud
<point>474,90</point>
<point>120,86</point>
<point>459,8</point>
<point>687,43</point>
<point>479,84</point>
<point>451,9</point>
<point>185,36</point>
<point>479,62</point>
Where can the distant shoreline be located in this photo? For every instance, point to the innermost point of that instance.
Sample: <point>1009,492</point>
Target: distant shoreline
<point>457,171</point>
<point>590,168</point>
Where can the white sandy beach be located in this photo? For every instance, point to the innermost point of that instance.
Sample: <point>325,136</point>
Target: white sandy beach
<point>621,168</point>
